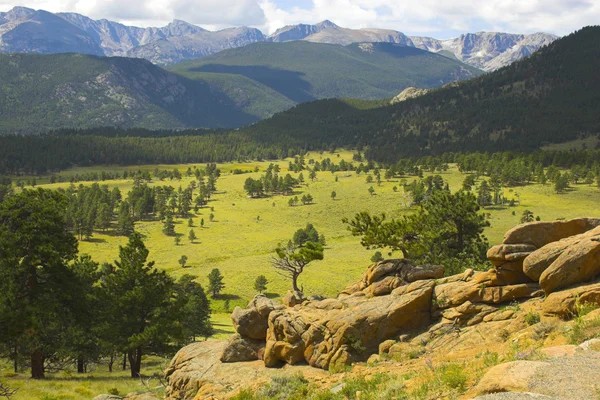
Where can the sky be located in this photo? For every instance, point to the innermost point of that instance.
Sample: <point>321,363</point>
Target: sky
<point>441,19</point>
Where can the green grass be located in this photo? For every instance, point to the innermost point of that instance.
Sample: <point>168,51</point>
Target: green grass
<point>68,385</point>
<point>241,247</point>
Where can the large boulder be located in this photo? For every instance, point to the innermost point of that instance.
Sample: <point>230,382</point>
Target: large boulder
<point>251,322</point>
<point>563,303</point>
<point>538,261</point>
<point>383,277</point>
<point>480,289</point>
<point>578,263</point>
<point>540,234</point>
<point>293,298</point>
<point>563,377</point>
<point>239,349</point>
<point>334,335</point>
<point>503,253</point>
<point>513,376</point>
<point>197,373</point>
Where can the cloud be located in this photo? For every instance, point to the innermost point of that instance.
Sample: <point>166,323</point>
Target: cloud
<point>442,17</point>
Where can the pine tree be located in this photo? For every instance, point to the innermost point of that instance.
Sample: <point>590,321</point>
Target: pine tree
<point>260,284</point>
<point>192,236</point>
<point>215,282</point>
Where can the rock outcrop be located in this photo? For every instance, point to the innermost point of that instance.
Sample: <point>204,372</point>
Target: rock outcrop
<point>252,321</point>
<point>564,375</point>
<point>556,254</point>
<point>392,298</point>
<point>409,93</point>
<point>400,310</point>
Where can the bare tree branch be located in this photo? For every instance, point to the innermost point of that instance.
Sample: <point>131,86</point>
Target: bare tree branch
<point>6,392</point>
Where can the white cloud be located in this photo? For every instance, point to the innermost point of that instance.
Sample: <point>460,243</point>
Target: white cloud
<point>440,18</point>
<point>444,17</point>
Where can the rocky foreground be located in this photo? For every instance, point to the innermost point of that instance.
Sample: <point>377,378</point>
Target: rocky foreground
<point>399,313</point>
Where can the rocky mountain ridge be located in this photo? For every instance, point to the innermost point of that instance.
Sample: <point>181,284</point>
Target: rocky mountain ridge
<point>30,31</point>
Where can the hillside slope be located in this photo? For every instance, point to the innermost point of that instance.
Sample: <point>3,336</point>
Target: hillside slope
<point>551,97</point>
<point>301,71</point>
<point>42,92</point>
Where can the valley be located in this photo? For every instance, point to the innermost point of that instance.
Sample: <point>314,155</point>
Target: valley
<point>246,204</point>
<point>241,238</point>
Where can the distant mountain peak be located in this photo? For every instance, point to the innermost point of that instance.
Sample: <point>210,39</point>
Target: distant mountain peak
<point>18,13</point>
<point>326,24</point>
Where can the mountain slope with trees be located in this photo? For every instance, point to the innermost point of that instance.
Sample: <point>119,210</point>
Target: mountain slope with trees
<point>551,97</point>
<point>303,71</point>
<point>48,92</point>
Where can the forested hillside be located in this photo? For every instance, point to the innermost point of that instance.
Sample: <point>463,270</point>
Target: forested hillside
<point>43,92</point>
<point>551,97</point>
<point>46,92</point>
<point>300,71</point>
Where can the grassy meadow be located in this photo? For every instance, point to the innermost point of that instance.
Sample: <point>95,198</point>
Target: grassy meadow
<point>241,239</point>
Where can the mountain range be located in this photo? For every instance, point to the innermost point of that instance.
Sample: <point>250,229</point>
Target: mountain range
<point>41,92</point>
<point>24,30</point>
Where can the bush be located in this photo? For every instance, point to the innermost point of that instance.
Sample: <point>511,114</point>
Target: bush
<point>532,318</point>
<point>542,330</point>
<point>285,387</point>
<point>453,376</point>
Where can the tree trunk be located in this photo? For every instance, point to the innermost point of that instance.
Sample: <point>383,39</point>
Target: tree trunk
<point>295,282</point>
<point>80,365</point>
<point>111,362</point>
<point>124,361</point>
<point>135,362</point>
<point>16,360</point>
<point>37,364</point>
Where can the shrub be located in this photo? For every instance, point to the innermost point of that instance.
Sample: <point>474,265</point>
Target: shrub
<point>285,387</point>
<point>542,330</point>
<point>453,376</point>
<point>532,318</point>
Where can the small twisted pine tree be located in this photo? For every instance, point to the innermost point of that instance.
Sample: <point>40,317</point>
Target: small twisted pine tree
<point>290,260</point>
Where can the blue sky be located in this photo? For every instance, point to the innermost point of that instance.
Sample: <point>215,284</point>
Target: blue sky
<point>436,18</point>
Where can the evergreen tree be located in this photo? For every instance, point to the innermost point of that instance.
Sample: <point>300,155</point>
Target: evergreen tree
<point>126,224</point>
<point>139,304</point>
<point>377,257</point>
<point>183,261</point>
<point>36,302</point>
<point>292,260</point>
<point>169,224</point>
<point>527,217</point>
<point>447,230</point>
<point>195,310</point>
<point>260,284</point>
<point>484,194</point>
<point>192,236</point>
<point>215,282</point>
